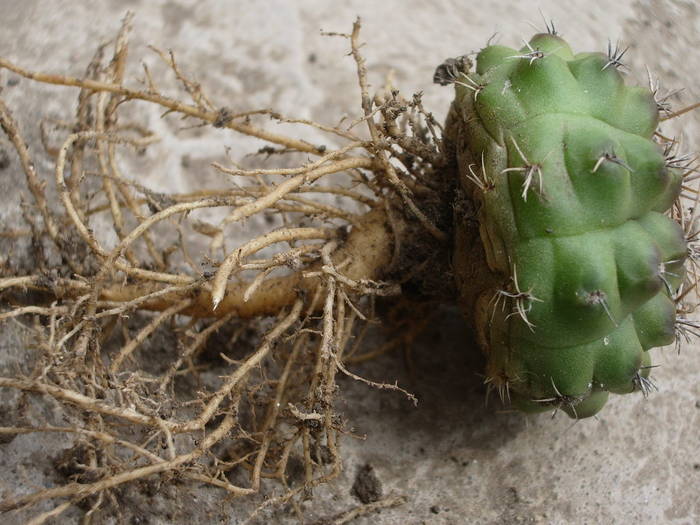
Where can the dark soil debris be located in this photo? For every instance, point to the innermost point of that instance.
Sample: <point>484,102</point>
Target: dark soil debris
<point>4,159</point>
<point>367,487</point>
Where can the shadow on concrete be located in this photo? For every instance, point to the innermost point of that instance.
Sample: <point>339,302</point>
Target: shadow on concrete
<point>444,369</point>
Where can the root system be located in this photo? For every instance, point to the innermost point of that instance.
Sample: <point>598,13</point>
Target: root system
<point>251,337</point>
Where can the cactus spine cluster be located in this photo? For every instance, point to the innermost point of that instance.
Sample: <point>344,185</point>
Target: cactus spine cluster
<point>572,194</point>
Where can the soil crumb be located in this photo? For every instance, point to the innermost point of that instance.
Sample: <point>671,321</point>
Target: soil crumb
<point>4,159</point>
<point>367,487</point>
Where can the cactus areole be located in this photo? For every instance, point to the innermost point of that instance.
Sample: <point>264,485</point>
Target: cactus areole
<point>571,194</point>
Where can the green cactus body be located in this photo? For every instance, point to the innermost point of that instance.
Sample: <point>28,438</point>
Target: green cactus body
<point>572,193</point>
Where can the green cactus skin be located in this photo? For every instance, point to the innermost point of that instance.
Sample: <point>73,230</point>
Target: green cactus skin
<point>571,191</point>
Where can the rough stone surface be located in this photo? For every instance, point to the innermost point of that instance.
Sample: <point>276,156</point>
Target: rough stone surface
<point>454,458</point>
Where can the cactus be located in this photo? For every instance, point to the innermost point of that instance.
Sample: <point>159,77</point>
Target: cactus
<point>572,193</point>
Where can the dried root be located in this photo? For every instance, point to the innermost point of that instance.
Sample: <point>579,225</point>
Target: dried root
<point>291,300</point>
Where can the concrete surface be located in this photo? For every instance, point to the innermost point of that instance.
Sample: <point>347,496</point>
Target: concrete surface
<point>456,460</point>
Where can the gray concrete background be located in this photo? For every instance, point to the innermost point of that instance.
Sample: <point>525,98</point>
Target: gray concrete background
<point>456,460</point>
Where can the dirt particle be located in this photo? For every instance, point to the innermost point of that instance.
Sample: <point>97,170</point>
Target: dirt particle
<point>71,464</point>
<point>435,509</point>
<point>367,487</point>
<point>223,117</point>
<point>4,159</point>
<point>295,468</point>
<point>512,495</point>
